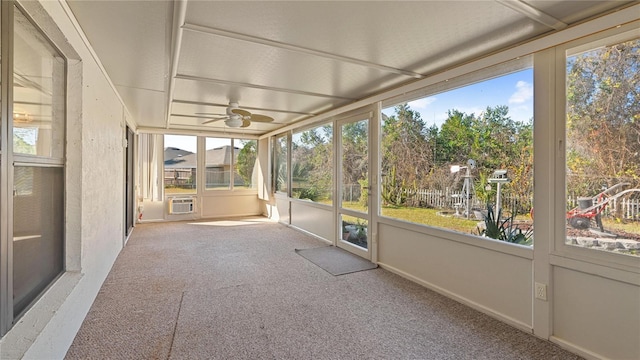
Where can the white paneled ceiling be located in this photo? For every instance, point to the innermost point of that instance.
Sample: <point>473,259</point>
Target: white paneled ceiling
<point>175,63</point>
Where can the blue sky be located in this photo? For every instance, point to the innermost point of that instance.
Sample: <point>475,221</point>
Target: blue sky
<point>189,142</point>
<point>514,90</point>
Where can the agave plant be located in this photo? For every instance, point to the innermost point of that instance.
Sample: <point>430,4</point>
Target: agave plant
<point>504,229</point>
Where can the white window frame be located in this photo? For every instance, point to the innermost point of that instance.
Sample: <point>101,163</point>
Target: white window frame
<point>287,138</point>
<point>204,167</point>
<point>560,250</point>
<point>488,73</point>
<point>333,140</point>
<point>198,175</point>
<point>70,161</point>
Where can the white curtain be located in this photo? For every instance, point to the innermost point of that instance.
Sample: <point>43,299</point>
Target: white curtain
<point>151,159</point>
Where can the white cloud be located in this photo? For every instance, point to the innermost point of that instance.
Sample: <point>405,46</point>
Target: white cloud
<point>422,103</point>
<point>521,113</point>
<point>524,92</point>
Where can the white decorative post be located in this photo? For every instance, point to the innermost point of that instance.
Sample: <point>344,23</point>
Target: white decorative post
<point>498,177</point>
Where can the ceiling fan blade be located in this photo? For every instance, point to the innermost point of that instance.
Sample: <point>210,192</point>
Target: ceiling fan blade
<point>210,114</point>
<point>261,118</point>
<point>245,123</point>
<point>241,112</point>
<point>212,120</point>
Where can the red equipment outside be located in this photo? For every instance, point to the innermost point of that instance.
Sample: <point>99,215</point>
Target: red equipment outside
<point>590,208</point>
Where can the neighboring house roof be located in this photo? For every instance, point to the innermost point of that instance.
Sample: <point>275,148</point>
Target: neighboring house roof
<point>220,156</point>
<point>174,152</point>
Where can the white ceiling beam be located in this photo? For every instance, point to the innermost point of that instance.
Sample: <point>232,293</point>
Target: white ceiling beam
<point>261,87</point>
<point>533,13</point>
<point>615,19</point>
<point>298,49</point>
<point>198,130</point>
<point>189,102</point>
<point>179,15</point>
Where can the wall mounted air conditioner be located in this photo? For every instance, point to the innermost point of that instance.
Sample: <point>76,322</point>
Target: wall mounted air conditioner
<point>181,205</point>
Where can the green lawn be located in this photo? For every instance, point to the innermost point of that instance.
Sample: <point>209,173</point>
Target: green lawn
<point>422,216</point>
<point>632,227</point>
<point>431,218</point>
<point>171,191</point>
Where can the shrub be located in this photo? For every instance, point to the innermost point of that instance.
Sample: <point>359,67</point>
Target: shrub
<point>504,229</point>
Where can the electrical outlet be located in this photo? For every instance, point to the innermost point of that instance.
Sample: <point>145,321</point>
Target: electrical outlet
<point>541,291</point>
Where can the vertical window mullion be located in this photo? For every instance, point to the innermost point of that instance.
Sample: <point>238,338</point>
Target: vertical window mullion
<point>6,273</point>
<point>232,164</point>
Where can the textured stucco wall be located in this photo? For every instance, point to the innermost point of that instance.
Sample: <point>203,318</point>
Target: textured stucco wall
<point>95,202</point>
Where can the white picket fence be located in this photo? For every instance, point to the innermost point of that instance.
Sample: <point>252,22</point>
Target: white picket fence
<point>439,199</point>
<point>625,208</point>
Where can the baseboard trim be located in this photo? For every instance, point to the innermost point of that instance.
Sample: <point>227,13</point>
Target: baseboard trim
<point>576,349</point>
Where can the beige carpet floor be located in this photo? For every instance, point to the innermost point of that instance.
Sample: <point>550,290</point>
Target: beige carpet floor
<point>238,290</point>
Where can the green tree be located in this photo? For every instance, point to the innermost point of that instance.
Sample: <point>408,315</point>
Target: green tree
<point>246,161</point>
<point>494,141</point>
<point>355,158</point>
<point>312,158</point>
<point>405,148</point>
<point>321,174</point>
<point>603,117</point>
<point>456,134</point>
<point>280,163</point>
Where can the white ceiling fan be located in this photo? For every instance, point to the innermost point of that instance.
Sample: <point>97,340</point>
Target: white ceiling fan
<point>236,117</point>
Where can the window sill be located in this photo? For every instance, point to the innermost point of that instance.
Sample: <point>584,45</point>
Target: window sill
<point>312,203</point>
<point>485,243</point>
<point>597,262</point>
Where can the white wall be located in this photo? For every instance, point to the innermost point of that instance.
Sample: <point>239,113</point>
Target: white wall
<point>495,280</point>
<point>282,208</point>
<point>211,205</point>
<point>599,315</point>
<point>314,218</point>
<point>95,171</point>
<point>230,205</point>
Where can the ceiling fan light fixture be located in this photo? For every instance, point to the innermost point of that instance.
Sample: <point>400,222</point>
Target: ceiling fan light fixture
<point>234,122</point>
<point>236,117</point>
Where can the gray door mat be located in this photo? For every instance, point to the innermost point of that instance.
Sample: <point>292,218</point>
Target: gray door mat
<point>336,261</point>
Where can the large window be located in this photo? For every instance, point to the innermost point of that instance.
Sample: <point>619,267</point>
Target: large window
<point>312,164</point>
<point>603,146</point>
<point>280,170</point>
<point>38,232</point>
<point>38,163</point>
<point>245,164</point>
<point>228,164</point>
<point>231,161</point>
<point>38,93</point>
<point>462,159</point>
<point>180,164</point>
<point>218,159</point>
